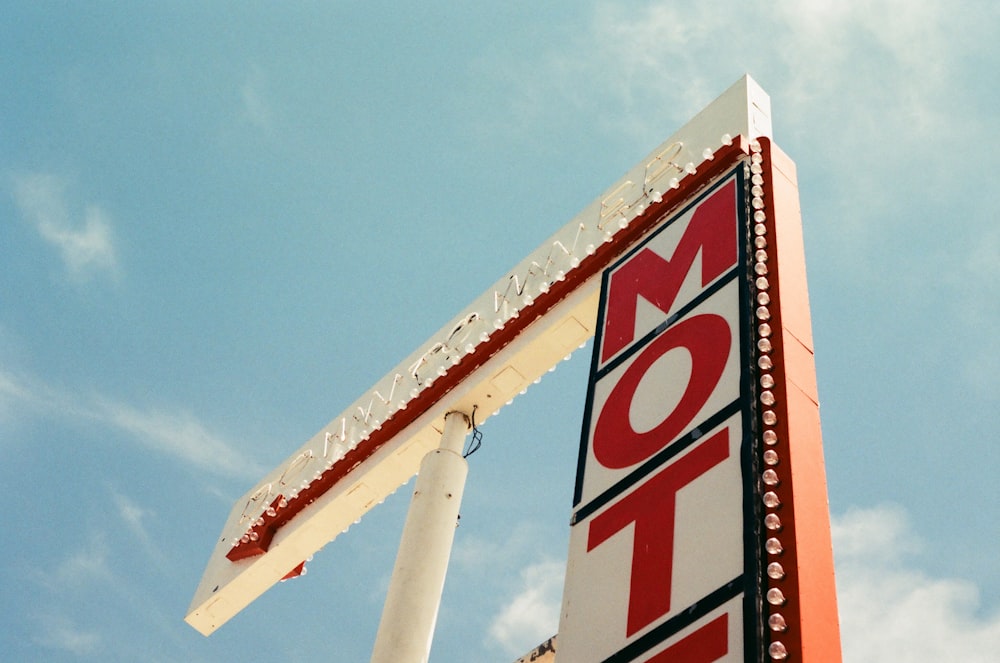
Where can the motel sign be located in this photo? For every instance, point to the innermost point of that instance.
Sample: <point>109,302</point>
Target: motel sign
<point>699,527</point>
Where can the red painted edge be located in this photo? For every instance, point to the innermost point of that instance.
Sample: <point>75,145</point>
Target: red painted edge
<point>813,628</point>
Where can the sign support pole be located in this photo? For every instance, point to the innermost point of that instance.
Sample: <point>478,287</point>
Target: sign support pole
<point>414,596</point>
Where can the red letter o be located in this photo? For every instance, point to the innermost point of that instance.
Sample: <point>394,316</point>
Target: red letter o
<point>707,338</point>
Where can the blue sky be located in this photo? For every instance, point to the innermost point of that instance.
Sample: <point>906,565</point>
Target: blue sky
<point>221,223</point>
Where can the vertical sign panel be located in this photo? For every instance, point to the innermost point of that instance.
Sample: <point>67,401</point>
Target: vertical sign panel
<point>663,562</point>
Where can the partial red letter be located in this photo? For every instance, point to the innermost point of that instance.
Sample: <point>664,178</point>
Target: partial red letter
<point>707,644</point>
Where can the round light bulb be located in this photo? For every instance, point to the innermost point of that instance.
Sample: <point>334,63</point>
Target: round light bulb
<point>775,596</point>
<point>770,499</point>
<point>760,269</point>
<point>770,437</point>
<point>762,283</point>
<point>767,381</point>
<point>777,623</point>
<point>771,457</point>
<point>773,546</point>
<point>759,229</point>
<point>777,651</point>
<point>764,331</point>
<point>763,313</point>
<point>772,522</point>
<point>770,478</point>
<point>769,417</point>
<point>775,571</point>
<point>765,363</point>
<point>767,397</point>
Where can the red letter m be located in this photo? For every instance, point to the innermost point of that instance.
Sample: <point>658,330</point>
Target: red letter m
<point>712,230</point>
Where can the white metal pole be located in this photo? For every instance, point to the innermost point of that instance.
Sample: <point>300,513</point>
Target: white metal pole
<point>411,605</point>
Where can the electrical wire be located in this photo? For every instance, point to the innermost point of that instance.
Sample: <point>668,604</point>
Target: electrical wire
<point>477,436</point>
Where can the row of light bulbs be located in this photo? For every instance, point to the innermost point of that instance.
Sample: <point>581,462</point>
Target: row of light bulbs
<point>769,418</point>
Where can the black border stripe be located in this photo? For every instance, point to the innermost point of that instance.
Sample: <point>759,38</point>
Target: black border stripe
<point>658,460</point>
<point>675,317</point>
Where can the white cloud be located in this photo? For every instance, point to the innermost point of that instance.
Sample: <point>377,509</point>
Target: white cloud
<point>133,516</point>
<point>177,434</point>
<point>892,611</point>
<point>87,564</point>
<point>62,634</point>
<point>13,396</point>
<point>532,615</point>
<point>85,247</point>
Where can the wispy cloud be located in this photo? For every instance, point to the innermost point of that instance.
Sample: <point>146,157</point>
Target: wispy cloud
<point>63,634</point>
<point>975,280</point>
<point>892,611</point>
<point>80,567</point>
<point>177,434</point>
<point>85,245</point>
<point>254,104</point>
<point>13,396</point>
<point>532,615</point>
<point>133,515</point>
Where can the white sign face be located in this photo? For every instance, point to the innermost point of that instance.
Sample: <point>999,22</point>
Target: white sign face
<point>661,564</point>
